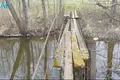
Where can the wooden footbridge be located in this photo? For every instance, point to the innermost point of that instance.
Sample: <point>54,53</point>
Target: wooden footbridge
<point>71,52</point>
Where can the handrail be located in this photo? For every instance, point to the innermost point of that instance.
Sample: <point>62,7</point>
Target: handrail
<point>33,76</point>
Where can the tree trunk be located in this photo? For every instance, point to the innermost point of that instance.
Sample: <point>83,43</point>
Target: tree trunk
<point>45,62</point>
<point>25,17</point>
<point>44,12</point>
<point>19,7</point>
<point>61,2</point>
<point>18,58</point>
<point>28,3</point>
<point>113,11</point>
<point>48,4</point>
<point>16,18</point>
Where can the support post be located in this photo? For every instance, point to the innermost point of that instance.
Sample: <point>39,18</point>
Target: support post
<point>92,48</point>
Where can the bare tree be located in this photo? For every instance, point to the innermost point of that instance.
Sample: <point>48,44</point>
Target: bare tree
<point>113,11</point>
<point>44,12</point>
<point>61,5</point>
<point>20,25</point>
<point>28,3</point>
<point>25,17</point>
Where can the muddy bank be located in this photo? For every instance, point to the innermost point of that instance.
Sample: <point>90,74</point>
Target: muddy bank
<point>36,30</point>
<point>9,28</point>
<point>30,33</point>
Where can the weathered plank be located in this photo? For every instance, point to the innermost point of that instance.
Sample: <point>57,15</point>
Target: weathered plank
<point>79,35</point>
<point>68,68</point>
<point>77,57</point>
<point>80,52</point>
<point>58,56</point>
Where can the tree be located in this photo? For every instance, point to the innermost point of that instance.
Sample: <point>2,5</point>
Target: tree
<point>113,11</point>
<point>28,3</point>
<point>25,13</point>
<point>44,12</point>
<point>21,25</point>
<point>61,5</point>
<point>16,18</point>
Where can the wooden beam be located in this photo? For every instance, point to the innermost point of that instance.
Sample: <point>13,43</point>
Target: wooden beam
<point>109,60</point>
<point>79,49</point>
<point>92,51</point>
<point>58,57</point>
<point>77,58</point>
<point>68,69</point>
<point>78,33</point>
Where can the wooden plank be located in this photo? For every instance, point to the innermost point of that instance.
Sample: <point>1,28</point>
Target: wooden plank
<point>77,57</point>
<point>58,57</point>
<point>68,69</point>
<point>80,52</point>
<point>79,35</point>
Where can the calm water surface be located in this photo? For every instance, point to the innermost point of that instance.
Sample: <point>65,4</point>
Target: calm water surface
<point>18,58</point>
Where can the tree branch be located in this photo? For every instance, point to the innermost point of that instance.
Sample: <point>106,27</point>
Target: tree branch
<point>106,7</point>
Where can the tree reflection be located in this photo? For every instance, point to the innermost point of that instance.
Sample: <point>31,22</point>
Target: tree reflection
<point>109,60</point>
<point>24,46</point>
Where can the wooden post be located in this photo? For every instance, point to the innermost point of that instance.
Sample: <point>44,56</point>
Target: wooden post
<point>45,61</point>
<point>109,61</point>
<point>92,48</point>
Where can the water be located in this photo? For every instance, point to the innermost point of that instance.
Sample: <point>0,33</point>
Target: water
<point>19,56</point>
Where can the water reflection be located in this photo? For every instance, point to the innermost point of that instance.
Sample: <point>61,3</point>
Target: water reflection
<point>19,57</point>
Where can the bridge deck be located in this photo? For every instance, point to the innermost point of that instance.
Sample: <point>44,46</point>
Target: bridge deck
<point>72,50</point>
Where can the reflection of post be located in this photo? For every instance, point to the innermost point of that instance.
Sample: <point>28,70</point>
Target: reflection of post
<point>92,48</point>
<point>109,61</point>
<point>24,43</point>
<point>27,49</point>
<point>32,54</point>
<point>45,62</point>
